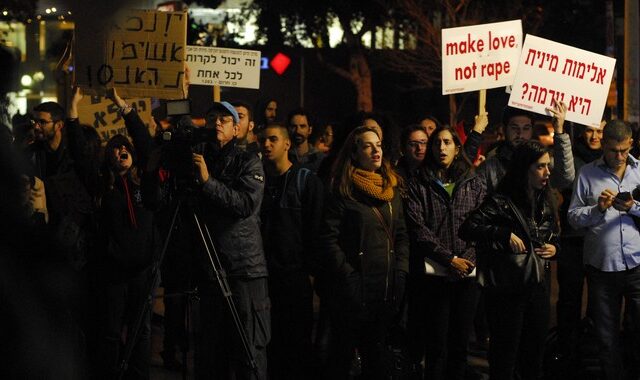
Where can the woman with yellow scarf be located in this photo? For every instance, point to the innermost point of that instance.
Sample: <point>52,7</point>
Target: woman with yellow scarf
<point>363,249</point>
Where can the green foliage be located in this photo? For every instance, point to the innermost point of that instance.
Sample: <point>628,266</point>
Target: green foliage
<point>290,22</point>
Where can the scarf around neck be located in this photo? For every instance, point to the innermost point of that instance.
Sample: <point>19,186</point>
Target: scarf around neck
<point>371,184</point>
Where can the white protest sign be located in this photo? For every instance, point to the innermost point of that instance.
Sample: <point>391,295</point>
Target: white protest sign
<point>550,70</point>
<point>480,56</point>
<point>223,67</point>
<point>141,52</point>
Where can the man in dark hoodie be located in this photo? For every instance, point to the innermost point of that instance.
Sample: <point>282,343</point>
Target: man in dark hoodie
<point>291,212</point>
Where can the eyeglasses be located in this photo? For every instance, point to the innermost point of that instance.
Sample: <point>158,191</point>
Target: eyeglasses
<point>41,121</point>
<point>417,143</point>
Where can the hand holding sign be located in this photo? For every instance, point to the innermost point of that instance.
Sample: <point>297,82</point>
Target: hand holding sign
<point>549,71</point>
<point>559,112</point>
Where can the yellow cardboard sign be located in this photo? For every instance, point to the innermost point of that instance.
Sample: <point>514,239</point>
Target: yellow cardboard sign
<point>103,115</point>
<point>141,52</point>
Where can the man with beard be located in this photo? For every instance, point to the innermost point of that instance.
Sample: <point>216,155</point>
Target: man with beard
<point>60,158</point>
<point>518,129</point>
<point>246,138</point>
<point>291,212</point>
<point>303,153</point>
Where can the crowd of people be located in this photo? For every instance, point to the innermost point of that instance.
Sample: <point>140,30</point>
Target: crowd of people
<point>410,242</point>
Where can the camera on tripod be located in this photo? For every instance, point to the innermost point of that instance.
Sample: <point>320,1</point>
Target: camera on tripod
<point>181,140</point>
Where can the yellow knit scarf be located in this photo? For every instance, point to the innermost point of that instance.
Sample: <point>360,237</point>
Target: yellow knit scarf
<point>370,183</point>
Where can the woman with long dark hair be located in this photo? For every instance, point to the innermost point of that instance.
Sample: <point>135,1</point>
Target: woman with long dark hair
<point>443,292</point>
<point>517,231</point>
<point>363,251</point>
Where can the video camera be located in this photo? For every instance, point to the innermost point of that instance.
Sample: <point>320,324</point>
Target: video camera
<point>181,139</point>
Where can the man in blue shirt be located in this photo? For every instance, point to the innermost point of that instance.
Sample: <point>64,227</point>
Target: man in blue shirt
<point>603,203</point>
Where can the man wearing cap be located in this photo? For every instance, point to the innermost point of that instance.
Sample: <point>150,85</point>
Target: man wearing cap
<point>232,183</point>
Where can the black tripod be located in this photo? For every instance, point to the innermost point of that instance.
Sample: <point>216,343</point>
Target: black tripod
<point>221,277</point>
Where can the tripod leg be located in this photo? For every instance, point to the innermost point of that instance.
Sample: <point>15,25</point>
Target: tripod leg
<point>151,285</point>
<point>221,279</point>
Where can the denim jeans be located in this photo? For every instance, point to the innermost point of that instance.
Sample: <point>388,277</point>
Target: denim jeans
<point>606,292</point>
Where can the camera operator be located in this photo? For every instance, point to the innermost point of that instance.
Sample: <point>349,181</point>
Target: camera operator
<point>232,183</point>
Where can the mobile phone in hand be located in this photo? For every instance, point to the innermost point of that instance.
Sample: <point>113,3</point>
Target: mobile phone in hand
<point>624,196</point>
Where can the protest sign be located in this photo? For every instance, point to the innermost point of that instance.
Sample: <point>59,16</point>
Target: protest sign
<point>549,70</point>
<point>223,67</point>
<point>141,52</point>
<point>104,116</point>
<point>480,56</point>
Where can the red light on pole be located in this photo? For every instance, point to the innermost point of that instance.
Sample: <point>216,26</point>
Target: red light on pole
<point>279,63</point>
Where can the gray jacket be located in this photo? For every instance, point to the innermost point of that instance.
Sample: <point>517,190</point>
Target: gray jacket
<point>562,175</point>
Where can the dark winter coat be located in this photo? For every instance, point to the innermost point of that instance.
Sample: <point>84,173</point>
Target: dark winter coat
<point>68,202</point>
<point>291,215</point>
<point>356,254</point>
<point>231,200</point>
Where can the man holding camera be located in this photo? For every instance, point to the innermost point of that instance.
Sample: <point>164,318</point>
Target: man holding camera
<point>603,203</point>
<point>232,183</point>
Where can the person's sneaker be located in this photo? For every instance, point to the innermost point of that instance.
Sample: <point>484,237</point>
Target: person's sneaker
<point>170,362</point>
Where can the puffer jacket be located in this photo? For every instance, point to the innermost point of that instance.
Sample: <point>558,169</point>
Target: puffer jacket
<point>231,200</point>
<point>355,253</point>
<point>434,218</point>
<point>491,226</point>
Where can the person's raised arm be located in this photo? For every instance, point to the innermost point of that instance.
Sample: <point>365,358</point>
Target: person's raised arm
<point>135,127</point>
<point>564,172</point>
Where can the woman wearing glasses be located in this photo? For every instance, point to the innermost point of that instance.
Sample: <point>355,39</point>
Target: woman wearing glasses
<point>413,140</point>
<point>516,230</point>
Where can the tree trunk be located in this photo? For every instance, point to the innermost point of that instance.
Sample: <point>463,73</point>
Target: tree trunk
<point>361,78</point>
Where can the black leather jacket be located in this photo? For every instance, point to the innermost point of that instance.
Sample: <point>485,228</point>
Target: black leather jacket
<point>491,226</point>
<point>231,200</point>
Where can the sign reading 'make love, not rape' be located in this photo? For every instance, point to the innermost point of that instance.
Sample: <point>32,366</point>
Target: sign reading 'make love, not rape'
<point>551,71</point>
<point>480,57</point>
<point>140,52</point>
